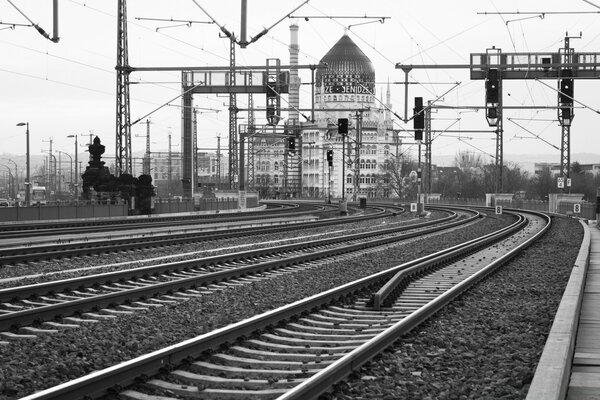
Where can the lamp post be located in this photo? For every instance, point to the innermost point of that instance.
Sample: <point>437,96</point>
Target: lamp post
<point>28,182</point>
<point>76,164</point>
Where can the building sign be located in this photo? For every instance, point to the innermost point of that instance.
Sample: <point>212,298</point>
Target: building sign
<point>347,84</point>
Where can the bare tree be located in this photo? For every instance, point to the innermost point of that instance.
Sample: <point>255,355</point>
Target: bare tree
<point>396,172</point>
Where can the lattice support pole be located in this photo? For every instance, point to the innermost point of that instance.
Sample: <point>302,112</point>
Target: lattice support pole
<point>123,131</point>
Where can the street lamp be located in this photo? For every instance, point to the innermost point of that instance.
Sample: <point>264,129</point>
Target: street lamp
<point>28,182</point>
<point>76,164</point>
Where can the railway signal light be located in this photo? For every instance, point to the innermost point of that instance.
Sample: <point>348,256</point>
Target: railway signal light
<point>343,126</point>
<point>492,96</point>
<point>418,118</point>
<point>291,142</point>
<point>492,86</point>
<point>566,91</point>
<point>565,98</point>
<point>330,157</point>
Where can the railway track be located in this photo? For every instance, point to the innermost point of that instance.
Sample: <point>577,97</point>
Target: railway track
<point>98,243</point>
<point>298,351</point>
<point>31,304</point>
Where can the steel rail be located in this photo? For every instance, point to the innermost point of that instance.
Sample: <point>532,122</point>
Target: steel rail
<point>115,276</point>
<point>403,276</point>
<point>116,377</point>
<point>319,383</point>
<point>71,307</point>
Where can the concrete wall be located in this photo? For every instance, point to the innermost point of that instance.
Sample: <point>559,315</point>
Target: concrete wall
<point>53,212</point>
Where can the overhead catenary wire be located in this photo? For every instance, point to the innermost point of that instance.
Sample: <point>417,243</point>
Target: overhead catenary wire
<point>572,98</point>
<point>533,134</point>
<point>477,148</point>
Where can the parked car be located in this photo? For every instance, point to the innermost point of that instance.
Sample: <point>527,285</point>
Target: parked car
<point>4,203</point>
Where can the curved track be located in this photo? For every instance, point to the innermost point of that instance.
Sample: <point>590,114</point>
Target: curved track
<point>157,235</point>
<point>42,302</point>
<point>299,350</point>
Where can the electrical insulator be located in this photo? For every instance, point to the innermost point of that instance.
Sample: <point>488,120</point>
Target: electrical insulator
<point>342,126</point>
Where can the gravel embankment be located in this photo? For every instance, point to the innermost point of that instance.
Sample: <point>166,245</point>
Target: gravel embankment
<point>48,361</point>
<point>487,343</point>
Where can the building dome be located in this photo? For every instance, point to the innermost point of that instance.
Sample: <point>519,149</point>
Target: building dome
<point>349,70</point>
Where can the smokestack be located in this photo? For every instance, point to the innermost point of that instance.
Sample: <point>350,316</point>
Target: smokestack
<point>294,91</point>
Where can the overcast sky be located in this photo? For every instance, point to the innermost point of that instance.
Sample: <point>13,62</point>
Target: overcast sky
<point>69,87</point>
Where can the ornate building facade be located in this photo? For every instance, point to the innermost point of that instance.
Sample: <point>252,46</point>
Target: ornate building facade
<point>345,89</point>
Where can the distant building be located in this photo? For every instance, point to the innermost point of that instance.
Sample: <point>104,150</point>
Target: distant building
<point>165,169</point>
<point>553,168</point>
<point>346,89</point>
<point>590,168</point>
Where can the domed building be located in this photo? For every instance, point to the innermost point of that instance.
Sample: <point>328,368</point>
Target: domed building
<point>349,77</point>
<point>345,89</point>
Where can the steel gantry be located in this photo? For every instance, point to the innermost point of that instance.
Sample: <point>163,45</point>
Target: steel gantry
<point>123,137</point>
<point>355,163</point>
<point>565,66</point>
<point>233,136</point>
<point>189,145</point>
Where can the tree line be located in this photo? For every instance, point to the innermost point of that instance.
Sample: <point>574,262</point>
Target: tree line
<point>472,178</point>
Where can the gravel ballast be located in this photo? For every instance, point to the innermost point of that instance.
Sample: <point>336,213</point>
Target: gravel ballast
<point>48,361</point>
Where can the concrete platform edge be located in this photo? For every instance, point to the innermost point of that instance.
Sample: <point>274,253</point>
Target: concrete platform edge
<point>551,378</point>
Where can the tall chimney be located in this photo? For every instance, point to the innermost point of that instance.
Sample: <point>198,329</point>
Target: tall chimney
<point>294,91</point>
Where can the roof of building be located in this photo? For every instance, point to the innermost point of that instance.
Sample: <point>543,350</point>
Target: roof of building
<point>346,57</point>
